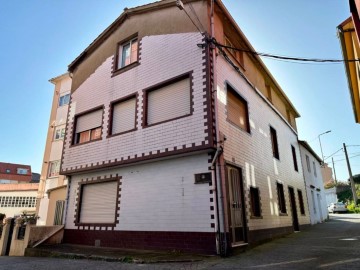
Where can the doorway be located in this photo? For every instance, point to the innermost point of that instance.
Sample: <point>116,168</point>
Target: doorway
<point>294,209</point>
<point>236,206</point>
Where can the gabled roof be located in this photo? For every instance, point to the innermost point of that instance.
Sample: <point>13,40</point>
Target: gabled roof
<point>308,147</point>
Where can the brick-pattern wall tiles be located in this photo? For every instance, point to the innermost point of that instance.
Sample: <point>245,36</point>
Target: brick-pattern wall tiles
<point>157,196</point>
<point>253,151</point>
<point>162,57</point>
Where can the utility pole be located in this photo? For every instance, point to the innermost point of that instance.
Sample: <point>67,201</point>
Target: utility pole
<point>350,175</point>
<point>334,170</point>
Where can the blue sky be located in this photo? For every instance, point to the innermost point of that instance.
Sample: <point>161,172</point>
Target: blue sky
<point>40,38</point>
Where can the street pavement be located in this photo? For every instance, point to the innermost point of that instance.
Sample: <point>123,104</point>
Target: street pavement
<point>334,244</point>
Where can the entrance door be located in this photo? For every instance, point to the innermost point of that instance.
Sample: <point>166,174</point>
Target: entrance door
<point>236,206</point>
<point>293,209</point>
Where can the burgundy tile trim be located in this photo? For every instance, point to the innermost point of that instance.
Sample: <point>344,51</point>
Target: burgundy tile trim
<point>163,84</point>
<point>79,190</point>
<point>67,127</point>
<point>111,109</point>
<point>194,242</point>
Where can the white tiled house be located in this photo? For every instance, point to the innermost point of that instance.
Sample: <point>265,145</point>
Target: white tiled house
<point>141,153</point>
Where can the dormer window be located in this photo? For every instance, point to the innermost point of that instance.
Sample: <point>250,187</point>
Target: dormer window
<point>127,53</point>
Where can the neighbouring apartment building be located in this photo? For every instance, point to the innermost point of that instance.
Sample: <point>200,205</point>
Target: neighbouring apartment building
<point>173,144</point>
<point>17,192</point>
<point>348,32</point>
<point>52,188</point>
<point>315,192</point>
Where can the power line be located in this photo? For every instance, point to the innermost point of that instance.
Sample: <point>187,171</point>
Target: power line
<point>333,153</point>
<point>196,16</point>
<point>181,7</point>
<point>286,58</point>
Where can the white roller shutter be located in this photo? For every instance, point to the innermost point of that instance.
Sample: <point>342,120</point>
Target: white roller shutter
<point>124,116</point>
<point>89,121</point>
<point>169,102</point>
<point>98,203</point>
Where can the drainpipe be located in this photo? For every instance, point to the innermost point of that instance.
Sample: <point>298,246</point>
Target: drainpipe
<point>222,241</point>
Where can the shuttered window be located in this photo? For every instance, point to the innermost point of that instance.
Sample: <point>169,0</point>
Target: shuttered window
<point>88,127</point>
<point>237,110</point>
<point>123,116</point>
<point>98,203</point>
<point>169,102</point>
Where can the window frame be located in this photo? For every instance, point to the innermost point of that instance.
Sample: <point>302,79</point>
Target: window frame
<point>281,198</point>
<point>80,197</point>
<point>308,163</point>
<point>274,143</point>
<point>314,167</point>
<point>49,168</point>
<point>116,68</point>
<point>232,90</point>
<point>64,104</point>
<point>237,55</point>
<point>160,85</point>
<point>60,127</point>
<point>74,136</point>
<point>111,114</point>
<point>301,202</point>
<point>255,203</point>
<point>293,150</point>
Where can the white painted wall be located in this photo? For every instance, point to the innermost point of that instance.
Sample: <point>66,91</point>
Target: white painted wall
<point>253,152</point>
<point>15,211</point>
<point>158,196</point>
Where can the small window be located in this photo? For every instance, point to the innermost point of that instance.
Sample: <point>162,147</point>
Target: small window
<point>308,163</point>
<point>8,171</point>
<point>237,110</point>
<point>268,91</point>
<point>301,202</point>
<point>127,53</point>
<point>238,55</point>
<point>88,127</point>
<point>64,100</point>
<point>314,166</point>
<point>54,168</point>
<point>255,202</point>
<point>22,171</point>
<point>294,158</point>
<point>274,143</point>
<point>281,198</point>
<point>59,133</point>
<point>169,101</point>
<point>123,116</point>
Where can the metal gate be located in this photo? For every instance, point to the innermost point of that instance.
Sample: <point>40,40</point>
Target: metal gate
<point>8,245</point>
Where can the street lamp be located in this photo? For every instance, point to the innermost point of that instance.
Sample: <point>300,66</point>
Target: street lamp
<point>322,154</point>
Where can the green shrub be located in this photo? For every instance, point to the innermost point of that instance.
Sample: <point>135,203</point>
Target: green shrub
<point>352,208</point>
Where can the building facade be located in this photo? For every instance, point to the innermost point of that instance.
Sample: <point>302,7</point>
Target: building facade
<point>52,188</point>
<point>170,144</point>
<point>348,32</point>
<point>315,192</point>
<point>11,173</point>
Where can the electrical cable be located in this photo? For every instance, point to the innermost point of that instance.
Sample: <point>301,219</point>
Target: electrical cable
<point>333,154</point>
<point>187,14</point>
<point>196,16</point>
<point>286,58</point>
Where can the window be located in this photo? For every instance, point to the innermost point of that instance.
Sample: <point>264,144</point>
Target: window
<point>281,198</point>
<point>301,202</point>
<point>238,55</point>
<point>64,100</point>
<point>123,116</point>
<point>255,202</point>
<point>274,143</point>
<point>314,166</point>
<point>22,171</point>
<point>88,126</point>
<point>313,201</point>
<point>308,163</point>
<point>98,202</point>
<point>237,110</point>
<point>54,168</point>
<point>17,201</point>
<point>59,133</point>
<point>8,171</point>
<point>294,158</point>
<point>127,53</point>
<point>268,91</point>
<point>169,101</point>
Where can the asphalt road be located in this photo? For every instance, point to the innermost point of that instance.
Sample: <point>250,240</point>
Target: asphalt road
<point>331,245</point>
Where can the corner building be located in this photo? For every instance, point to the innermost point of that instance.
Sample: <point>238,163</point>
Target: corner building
<point>156,159</point>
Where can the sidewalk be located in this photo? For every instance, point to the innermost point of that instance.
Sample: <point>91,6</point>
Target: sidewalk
<point>113,254</point>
